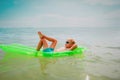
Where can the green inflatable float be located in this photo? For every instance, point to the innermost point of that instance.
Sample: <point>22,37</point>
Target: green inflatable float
<point>22,49</point>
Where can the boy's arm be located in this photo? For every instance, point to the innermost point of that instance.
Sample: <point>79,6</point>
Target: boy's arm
<point>73,47</point>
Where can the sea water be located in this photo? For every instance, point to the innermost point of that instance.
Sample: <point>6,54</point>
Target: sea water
<point>101,60</point>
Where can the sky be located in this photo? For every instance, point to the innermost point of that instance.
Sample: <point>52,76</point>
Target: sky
<point>59,13</point>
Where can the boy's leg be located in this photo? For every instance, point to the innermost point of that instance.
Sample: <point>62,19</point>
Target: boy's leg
<point>54,41</point>
<point>39,46</point>
<point>42,43</point>
<point>45,44</point>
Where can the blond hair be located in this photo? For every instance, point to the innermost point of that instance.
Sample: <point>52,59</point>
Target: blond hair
<point>71,40</point>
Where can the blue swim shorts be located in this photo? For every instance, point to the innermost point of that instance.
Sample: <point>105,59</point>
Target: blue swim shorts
<point>48,50</point>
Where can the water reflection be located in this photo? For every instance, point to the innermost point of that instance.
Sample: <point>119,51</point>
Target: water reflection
<point>44,62</point>
<point>71,68</point>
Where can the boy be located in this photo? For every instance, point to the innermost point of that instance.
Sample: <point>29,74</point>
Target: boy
<point>69,45</point>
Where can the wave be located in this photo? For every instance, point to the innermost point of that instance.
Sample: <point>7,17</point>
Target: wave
<point>113,47</point>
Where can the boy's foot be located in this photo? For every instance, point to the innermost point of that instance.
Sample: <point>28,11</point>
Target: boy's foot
<point>40,34</point>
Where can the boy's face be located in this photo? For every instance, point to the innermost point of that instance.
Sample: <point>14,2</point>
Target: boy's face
<point>69,44</point>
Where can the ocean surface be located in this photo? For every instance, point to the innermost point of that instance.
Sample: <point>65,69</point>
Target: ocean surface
<point>101,59</point>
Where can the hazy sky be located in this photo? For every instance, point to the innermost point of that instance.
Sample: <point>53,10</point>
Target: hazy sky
<point>59,13</point>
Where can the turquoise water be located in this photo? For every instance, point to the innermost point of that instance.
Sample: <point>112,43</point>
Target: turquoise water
<point>101,61</point>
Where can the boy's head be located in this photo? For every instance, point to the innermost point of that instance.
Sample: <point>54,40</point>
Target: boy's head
<point>69,43</point>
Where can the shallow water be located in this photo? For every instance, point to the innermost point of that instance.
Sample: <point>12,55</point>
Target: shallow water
<point>101,61</point>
